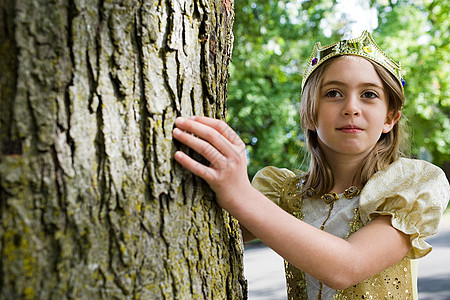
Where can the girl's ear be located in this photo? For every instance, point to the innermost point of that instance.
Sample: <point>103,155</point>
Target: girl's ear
<point>391,121</point>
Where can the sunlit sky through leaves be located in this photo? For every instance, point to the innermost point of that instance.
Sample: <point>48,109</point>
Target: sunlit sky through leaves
<point>359,15</point>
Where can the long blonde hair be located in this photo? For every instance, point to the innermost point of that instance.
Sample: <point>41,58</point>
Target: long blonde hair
<point>387,149</point>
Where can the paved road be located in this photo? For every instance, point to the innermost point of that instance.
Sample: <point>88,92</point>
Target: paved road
<point>265,274</point>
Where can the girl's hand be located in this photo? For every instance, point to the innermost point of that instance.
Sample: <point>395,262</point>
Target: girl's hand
<point>225,151</point>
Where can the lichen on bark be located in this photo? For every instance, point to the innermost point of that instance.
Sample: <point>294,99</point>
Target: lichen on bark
<point>92,203</point>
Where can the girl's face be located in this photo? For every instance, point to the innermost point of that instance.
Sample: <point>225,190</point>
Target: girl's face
<point>352,111</point>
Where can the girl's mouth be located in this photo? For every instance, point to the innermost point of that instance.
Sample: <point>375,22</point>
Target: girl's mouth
<point>350,129</point>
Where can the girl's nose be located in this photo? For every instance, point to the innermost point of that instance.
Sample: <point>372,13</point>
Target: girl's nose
<point>351,107</point>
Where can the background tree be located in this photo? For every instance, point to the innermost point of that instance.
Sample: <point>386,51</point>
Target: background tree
<point>92,205</point>
<point>274,40</point>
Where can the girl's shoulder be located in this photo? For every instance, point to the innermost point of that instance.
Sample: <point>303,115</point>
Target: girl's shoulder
<point>414,192</point>
<point>411,176</point>
<point>272,181</point>
<point>415,167</point>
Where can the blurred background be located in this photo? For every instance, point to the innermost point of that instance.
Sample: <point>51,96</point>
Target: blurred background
<point>274,39</point>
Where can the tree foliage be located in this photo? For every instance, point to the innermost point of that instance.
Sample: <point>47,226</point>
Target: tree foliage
<point>273,41</point>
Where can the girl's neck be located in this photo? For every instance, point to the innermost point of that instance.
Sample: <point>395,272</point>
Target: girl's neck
<point>344,171</point>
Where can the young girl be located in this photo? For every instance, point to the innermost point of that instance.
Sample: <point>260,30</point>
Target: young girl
<point>350,226</point>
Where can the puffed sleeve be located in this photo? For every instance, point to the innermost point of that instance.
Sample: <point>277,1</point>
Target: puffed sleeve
<point>269,182</point>
<point>415,193</point>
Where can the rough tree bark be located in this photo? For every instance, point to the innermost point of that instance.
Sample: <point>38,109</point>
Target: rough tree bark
<point>92,205</point>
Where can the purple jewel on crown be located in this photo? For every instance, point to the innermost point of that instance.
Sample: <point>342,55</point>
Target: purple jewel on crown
<point>314,61</point>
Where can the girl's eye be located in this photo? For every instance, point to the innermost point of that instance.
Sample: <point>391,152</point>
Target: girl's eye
<point>370,95</point>
<point>333,94</point>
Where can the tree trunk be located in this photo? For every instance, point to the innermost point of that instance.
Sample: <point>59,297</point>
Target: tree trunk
<point>93,205</point>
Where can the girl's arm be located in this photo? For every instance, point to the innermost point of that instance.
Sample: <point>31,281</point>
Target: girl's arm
<point>247,236</point>
<point>336,262</point>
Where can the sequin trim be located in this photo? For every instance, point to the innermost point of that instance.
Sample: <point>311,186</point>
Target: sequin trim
<point>293,204</point>
<point>395,282</point>
<point>355,224</point>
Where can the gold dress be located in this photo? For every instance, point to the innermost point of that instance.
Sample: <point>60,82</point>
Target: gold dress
<point>414,192</point>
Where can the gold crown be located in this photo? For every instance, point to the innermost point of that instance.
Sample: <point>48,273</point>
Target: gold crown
<point>363,46</point>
